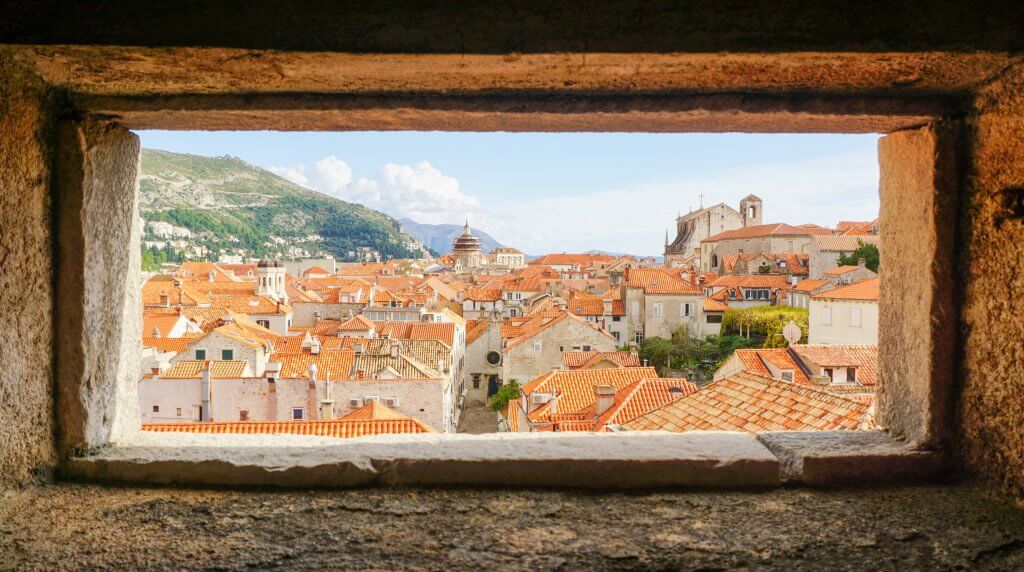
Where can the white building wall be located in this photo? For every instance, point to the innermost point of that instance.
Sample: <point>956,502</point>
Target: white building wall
<point>841,329</point>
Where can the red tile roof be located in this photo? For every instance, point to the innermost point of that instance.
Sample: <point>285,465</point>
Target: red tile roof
<point>658,281</point>
<point>862,356</point>
<point>584,360</point>
<point>774,229</point>
<point>440,331</point>
<point>575,388</point>
<point>866,290</point>
<point>753,403</point>
<point>193,369</point>
<point>340,428</point>
<point>841,270</point>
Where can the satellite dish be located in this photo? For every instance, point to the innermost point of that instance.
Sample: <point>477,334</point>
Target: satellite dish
<point>792,333</point>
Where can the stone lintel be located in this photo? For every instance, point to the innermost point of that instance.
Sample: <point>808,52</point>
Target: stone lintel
<point>826,458</point>
<point>604,461</point>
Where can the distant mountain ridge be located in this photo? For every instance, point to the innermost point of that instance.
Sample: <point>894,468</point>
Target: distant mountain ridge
<point>439,237</point>
<point>229,204</point>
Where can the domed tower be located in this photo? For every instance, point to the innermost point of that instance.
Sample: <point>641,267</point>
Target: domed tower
<point>750,210</point>
<point>270,279</point>
<point>467,247</point>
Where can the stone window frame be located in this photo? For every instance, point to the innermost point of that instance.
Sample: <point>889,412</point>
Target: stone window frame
<point>95,172</point>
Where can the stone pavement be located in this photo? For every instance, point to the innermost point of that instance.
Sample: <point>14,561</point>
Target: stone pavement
<point>477,419</point>
<point>71,526</point>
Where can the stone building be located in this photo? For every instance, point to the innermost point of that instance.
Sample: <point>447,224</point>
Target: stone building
<point>467,249</point>
<point>845,315</point>
<point>535,345</point>
<point>776,238</point>
<point>657,302</point>
<point>509,257</point>
<point>694,227</point>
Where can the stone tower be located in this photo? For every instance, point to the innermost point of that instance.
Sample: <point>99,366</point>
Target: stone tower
<point>270,279</point>
<point>750,210</point>
<point>467,248</point>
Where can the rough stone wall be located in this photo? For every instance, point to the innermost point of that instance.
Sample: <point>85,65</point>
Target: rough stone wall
<point>523,364</point>
<point>97,298</point>
<point>991,409</point>
<point>26,407</point>
<point>919,185</point>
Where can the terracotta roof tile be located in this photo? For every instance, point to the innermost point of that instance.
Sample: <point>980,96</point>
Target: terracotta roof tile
<point>339,428</point>
<point>193,369</point>
<point>866,290</point>
<point>743,402</point>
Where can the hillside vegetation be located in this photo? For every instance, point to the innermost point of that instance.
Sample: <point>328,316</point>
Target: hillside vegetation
<point>230,204</point>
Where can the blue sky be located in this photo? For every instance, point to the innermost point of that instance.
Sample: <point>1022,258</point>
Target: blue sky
<point>555,192</point>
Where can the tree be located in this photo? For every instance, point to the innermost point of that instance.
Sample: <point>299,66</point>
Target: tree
<point>657,351</point>
<point>505,394</point>
<point>869,252</point>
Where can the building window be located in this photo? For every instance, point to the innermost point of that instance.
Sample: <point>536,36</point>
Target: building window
<point>586,348</point>
<point>200,354</point>
<point>243,415</point>
<point>851,374</point>
<point>264,323</point>
<point>616,319</point>
<point>714,318</point>
<point>656,309</point>
<point>829,373</point>
<point>634,308</point>
<point>493,358</point>
<point>297,413</point>
<point>177,412</point>
<point>787,375</point>
<point>639,337</point>
<point>826,316</point>
<point>156,409</point>
<point>616,336</point>
<point>536,346</point>
<point>476,381</point>
<point>684,309</point>
<point>227,355</point>
<point>855,318</point>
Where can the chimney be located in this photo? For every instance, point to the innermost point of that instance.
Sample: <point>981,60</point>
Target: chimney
<point>312,371</point>
<point>271,399</point>
<point>604,398</point>
<point>861,262</point>
<point>395,349</point>
<point>272,369</point>
<point>204,415</point>
<point>314,346</point>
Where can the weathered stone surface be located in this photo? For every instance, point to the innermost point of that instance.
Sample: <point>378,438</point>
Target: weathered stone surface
<point>529,26</point>
<point>606,461</point>
<point>26,276</point>
<point>991,411</point>
<point>919,190</point>
<point>98,297</point>
<point>832,458</point>
<point>904,528</point>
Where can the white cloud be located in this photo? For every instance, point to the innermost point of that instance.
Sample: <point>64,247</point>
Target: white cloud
<point>820,190</point>
<point>295,174</point>
<point>420,192</point>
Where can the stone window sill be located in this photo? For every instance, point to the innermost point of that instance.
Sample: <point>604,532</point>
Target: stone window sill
<point>599,461</point>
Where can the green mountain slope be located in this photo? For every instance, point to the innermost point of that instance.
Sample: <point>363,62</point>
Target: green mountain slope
<point>236,208</point>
